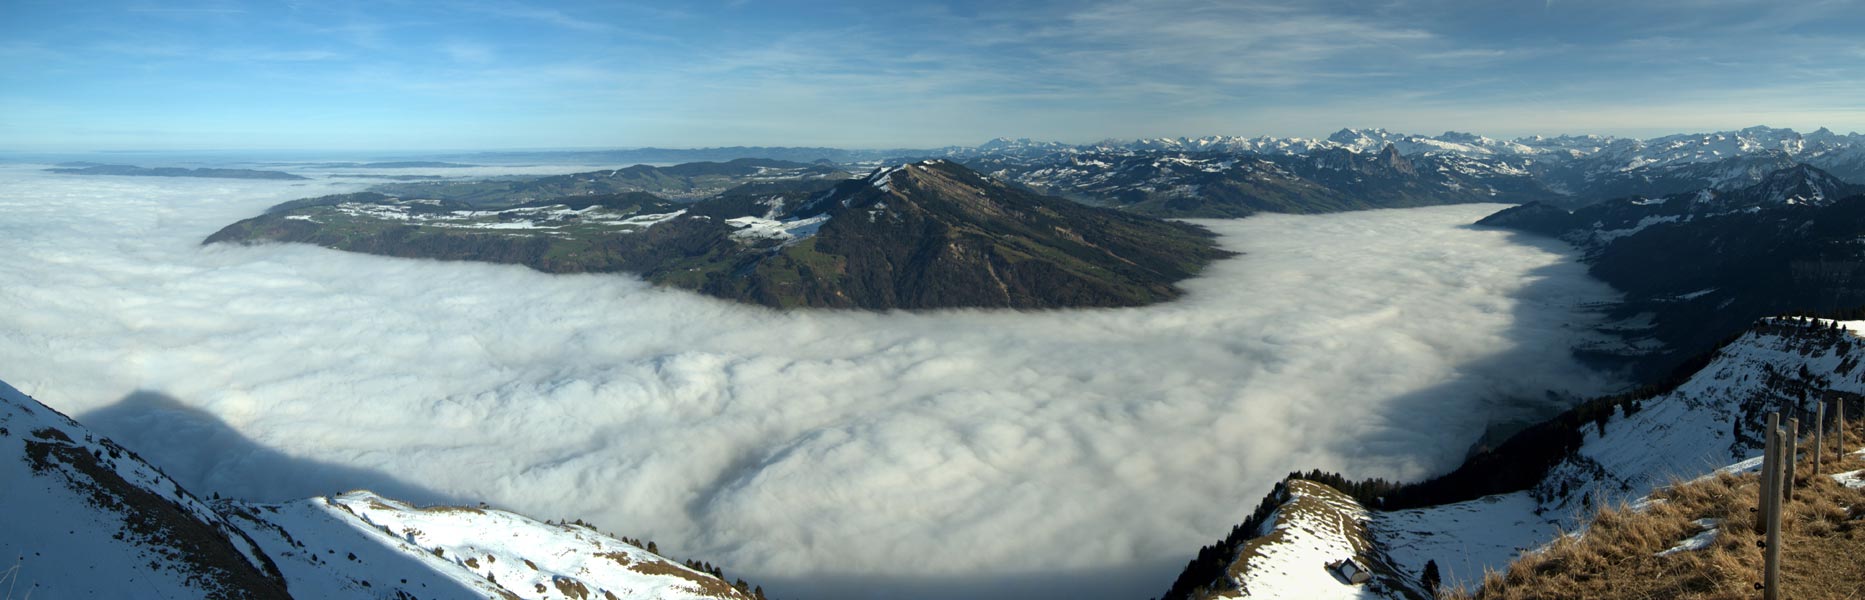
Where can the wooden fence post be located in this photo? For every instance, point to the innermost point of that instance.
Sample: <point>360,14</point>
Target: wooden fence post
<point>1789,466</point>
<point>1819,435</point>
<point>1767,478</point>
<point>1771,570</point>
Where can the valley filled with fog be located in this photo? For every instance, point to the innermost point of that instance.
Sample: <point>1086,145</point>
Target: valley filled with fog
<point>814,451</point>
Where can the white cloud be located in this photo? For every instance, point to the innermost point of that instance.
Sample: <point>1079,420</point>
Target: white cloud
<point>820,452</point>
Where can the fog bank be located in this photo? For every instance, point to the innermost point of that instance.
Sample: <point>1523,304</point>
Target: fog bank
<point>816,449</point>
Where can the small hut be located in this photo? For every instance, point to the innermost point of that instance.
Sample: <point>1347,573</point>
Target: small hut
<point>1351,571</point>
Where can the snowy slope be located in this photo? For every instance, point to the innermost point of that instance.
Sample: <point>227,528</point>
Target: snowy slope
<point>1315,525</point>
<point>361,544</point>
<point>1464,538</point>
<point>1710,422</point>
<point>86,518</point>
<point>1714,418</point>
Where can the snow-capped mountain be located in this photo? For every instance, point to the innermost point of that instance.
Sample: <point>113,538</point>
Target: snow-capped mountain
<point>1570,171</point>
<point>1618,449</point>
<point>1223,184</point>
<point>1819,146</point>
<point>88,518</point>
<point>1595,226</point>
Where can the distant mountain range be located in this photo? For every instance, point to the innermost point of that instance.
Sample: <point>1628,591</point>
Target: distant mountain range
<point>1361,168</point>
<point>1225,176</point>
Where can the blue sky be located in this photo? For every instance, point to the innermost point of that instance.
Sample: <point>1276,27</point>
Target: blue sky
<point>388,75</point>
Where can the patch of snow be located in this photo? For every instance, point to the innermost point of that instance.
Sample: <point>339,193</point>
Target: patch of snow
<point>1851,479</point>
<point>1601,238</point>
<point>1701,540</point>
<point>882,179</point>
<point>790,231</point>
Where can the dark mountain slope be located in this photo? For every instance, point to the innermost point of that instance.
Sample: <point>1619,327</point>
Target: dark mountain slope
<point>1596,225</point>
<point>917,236</point>
<point>935,234</point>
<point>1698,267</point>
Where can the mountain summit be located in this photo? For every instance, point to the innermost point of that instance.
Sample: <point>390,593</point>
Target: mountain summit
<point>935,234</point>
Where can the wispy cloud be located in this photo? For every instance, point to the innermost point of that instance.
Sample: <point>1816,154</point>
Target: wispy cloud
<point>548,16</point>
<point>1075,71</point>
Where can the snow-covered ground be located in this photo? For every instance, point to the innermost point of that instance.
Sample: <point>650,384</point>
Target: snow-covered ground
<point>361,544</point>
<point>1464,538</point>
<point>1315,526</point>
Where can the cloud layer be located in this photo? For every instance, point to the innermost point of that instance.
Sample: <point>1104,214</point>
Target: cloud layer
<point>813,449</point>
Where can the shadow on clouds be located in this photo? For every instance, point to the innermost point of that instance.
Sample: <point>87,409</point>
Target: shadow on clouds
<point>196,449</point>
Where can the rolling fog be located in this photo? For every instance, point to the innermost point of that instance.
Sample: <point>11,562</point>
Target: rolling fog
<point>817,453</point>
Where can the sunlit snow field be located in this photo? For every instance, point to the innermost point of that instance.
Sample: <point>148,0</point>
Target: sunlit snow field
<point>817,453</point>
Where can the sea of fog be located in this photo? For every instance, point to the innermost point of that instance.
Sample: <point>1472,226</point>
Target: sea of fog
<point>822,454</point>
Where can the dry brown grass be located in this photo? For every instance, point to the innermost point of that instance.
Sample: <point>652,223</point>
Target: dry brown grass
<point>1823,533</point>
<point>705,585</point>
